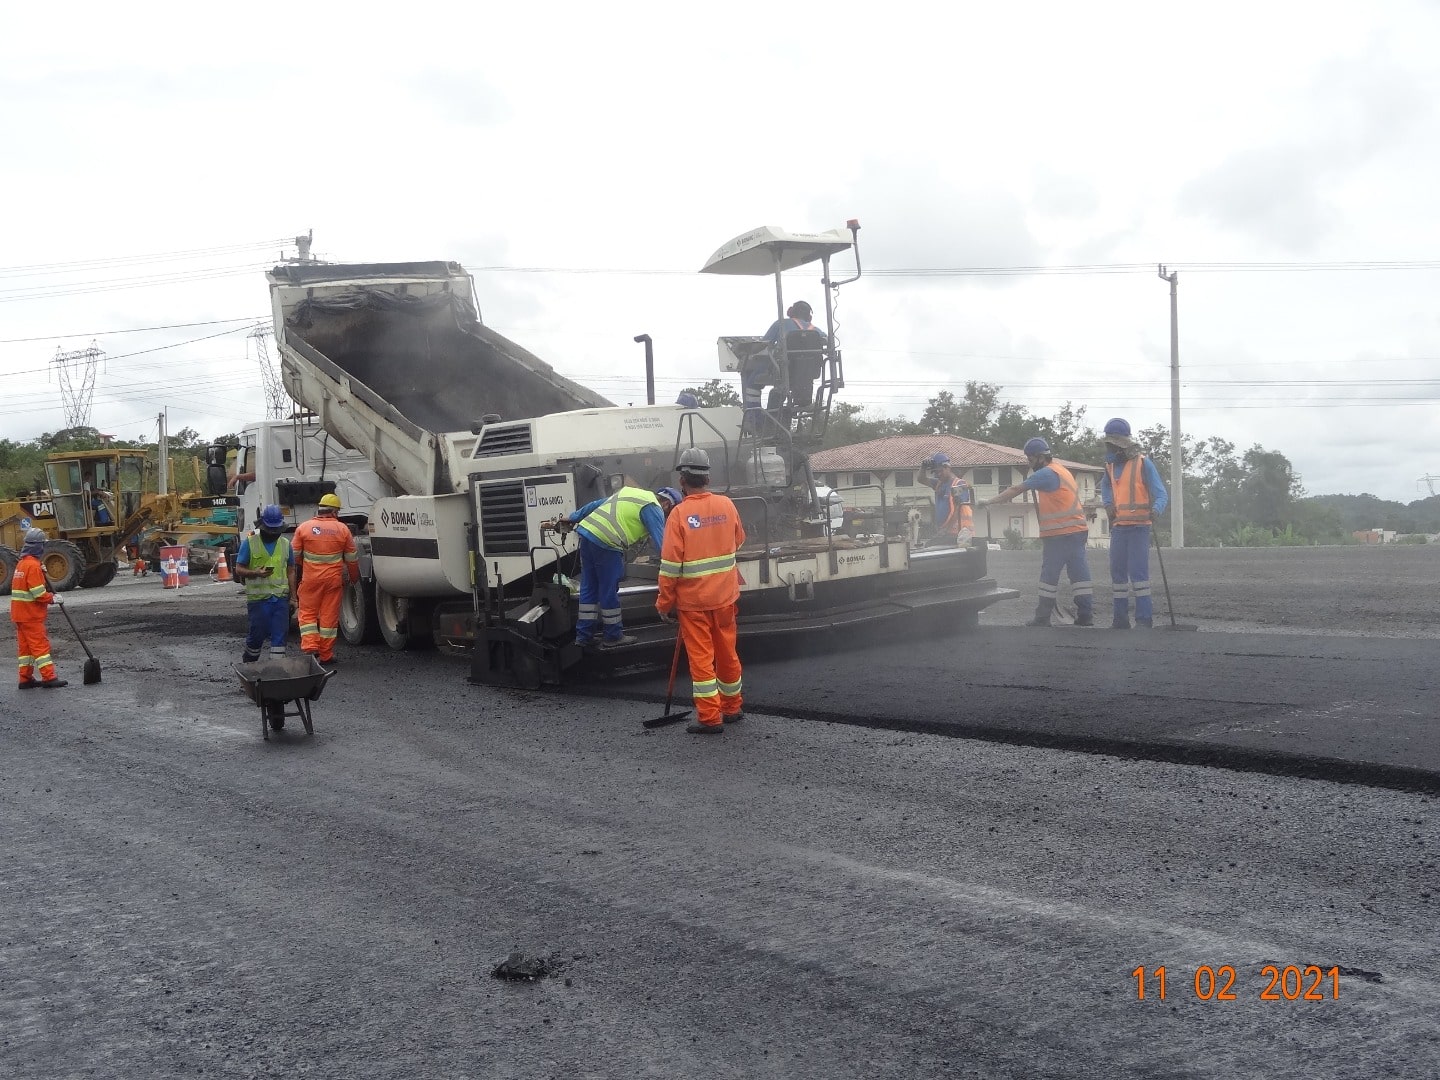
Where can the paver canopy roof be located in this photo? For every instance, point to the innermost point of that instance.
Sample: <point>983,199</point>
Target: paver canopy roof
<point>908,451</point>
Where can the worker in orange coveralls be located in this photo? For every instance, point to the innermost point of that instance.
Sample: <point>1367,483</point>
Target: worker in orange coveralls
<point>30,600</point>
<point>699,579</point>
<point>325,561</point>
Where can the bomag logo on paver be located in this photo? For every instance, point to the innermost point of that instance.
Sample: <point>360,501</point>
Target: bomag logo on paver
<point>400,518</point>
<point>851,560</point>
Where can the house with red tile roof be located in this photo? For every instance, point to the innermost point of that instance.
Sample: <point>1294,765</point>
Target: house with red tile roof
<point>891,467</point>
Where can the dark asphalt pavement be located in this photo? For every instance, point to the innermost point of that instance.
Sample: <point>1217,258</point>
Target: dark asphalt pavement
<point>1340,708</point>
<point>793,899</point>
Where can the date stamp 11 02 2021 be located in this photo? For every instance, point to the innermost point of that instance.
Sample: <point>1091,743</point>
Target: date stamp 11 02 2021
<point>1275,982</point>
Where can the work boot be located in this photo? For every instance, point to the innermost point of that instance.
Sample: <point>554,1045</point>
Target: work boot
<point>733,718</point>
<point>28,684</point>
<point>1144,624</point>
<point>54,684</point>
<point>1085,619</point>
<point>1084,611</point>
<point>615,643</point>
<point>1120,624</point>
<point>1043,611</point>
<point>698,728</point>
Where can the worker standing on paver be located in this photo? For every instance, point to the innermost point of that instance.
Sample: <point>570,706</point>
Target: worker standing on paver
<point>1133,494</point>
<point>608,527</point>
<point>954,517</point>
<point>700,581</point>
<point>30,600</point>
<point>263,566</point>
<point>325,561</point>
<point>1063,532</point>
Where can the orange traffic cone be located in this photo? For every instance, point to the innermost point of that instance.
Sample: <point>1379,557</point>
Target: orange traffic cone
<point>222,571</point>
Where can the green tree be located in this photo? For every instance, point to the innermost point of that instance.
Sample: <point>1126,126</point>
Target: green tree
<point>1270,487</point>
<point>713,394</point>
<point>850,424</point>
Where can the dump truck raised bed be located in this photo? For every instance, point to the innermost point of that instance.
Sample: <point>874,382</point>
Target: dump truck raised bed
<point>459,448</point>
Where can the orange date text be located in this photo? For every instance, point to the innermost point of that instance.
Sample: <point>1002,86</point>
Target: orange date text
<point>1290,982</point>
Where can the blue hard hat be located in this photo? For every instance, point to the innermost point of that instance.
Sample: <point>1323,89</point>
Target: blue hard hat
<point>671,494</point>
<point>1036,447</point>
<point>1117,426</point>
<point>940,459</point>
<point>272,517</point>
<point>690,401</point>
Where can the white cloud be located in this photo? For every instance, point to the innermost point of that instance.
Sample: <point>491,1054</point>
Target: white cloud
<point>569,137</point>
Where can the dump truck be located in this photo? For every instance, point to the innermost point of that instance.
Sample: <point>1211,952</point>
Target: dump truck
<point>454,451</point>
<point>94,504</point>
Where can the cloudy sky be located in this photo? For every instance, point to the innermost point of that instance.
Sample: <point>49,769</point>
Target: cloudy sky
<point>584,160</point>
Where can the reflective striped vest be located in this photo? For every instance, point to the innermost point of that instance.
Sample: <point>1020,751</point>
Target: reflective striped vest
<point>1132,506</point>
<point>29,592</point>
<point>697,564</point>
<point>324,546</point>
<point>1061,511</point>
<point>278,583</point>
<point>616,523</point>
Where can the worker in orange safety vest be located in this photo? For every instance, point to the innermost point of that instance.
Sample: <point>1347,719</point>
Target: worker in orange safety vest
<point>325,561</point>
<point>30,600</point>
<point>700,582</point>
<point>1064,532</point>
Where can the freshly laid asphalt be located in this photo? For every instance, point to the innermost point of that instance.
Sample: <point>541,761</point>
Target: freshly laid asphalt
<point>1336,708</point>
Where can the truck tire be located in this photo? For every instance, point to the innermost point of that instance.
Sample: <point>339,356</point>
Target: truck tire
<point>8,558</point>
<point>98,576</point>
<point>393,616</point>
<point>64,564</point>
<point>359,624</point>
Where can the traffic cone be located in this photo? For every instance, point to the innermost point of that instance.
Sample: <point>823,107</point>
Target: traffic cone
<point>222,571</point>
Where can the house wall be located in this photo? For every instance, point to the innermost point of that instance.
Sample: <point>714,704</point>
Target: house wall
<point>990,521</point>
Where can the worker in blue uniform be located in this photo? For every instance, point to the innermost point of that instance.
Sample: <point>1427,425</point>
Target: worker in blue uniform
<point>1133,494</point>
<point>607,528</point>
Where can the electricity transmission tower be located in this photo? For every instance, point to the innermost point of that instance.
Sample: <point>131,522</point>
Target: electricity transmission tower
<point>277,399</point>
<point>1429,481</point>
<point>77,382</point>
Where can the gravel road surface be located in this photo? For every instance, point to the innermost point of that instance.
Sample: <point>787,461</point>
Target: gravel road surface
<point>798,898</point>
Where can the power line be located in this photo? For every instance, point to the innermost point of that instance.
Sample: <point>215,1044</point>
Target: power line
<point>129,260</point>
<point>128,330</point>
<point>1023,271</point>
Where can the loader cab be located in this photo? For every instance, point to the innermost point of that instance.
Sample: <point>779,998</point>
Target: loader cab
<point>95,492</point>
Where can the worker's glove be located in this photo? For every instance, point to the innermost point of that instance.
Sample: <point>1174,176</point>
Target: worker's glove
<point>667,616</point>
<point>981,502</point>
<point>1110,514</point>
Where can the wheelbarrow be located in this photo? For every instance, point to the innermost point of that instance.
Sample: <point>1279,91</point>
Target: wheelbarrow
<point>283,686</point>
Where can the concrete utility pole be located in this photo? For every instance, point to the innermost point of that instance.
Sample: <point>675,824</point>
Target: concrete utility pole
<point>162,481</point>
<point>1177,463</point>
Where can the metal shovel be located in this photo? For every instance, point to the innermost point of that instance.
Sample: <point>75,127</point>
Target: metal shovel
<point>667,717</point>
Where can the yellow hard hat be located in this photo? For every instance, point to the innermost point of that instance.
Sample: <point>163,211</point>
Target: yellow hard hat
<point>331,500</point>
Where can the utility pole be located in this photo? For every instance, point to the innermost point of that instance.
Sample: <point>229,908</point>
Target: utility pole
<point>1177,463</point>
<point>163,478</point>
